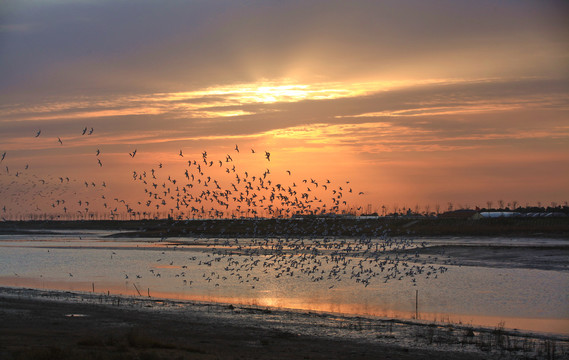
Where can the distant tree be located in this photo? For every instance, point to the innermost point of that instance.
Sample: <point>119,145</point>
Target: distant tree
<point>514,204</point>
<point>489,204</point>
<point>501,204</point>
<point>450,206</point>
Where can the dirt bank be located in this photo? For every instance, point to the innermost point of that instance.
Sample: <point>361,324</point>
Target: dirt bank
<point>60,325</point>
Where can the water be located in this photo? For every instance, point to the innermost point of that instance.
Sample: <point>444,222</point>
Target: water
<point>522,282</point>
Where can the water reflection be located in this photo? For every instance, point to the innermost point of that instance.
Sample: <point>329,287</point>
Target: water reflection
<point>193,269</point>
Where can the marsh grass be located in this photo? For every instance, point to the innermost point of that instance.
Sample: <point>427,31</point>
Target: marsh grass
<point>497,342</point>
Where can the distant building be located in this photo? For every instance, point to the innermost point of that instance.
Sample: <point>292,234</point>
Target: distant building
<point>458,214</point>
<point>495,214</point>
<point>545,214</point>
<point>368,217</point>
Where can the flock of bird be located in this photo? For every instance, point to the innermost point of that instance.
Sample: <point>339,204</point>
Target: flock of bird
<point>256,261</point>
<point>230,192</point>
<point>203,188</point>
<point>207,188</point>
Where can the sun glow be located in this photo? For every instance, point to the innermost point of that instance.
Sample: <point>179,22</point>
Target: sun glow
<point>268,92</point>
<point>225,100</point>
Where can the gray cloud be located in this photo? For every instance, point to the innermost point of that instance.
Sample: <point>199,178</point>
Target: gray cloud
<point>105,46</point>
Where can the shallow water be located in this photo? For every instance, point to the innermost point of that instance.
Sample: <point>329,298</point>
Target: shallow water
<point>331,275</point>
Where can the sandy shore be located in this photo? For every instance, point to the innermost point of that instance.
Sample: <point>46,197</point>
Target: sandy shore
<point>36,324</point>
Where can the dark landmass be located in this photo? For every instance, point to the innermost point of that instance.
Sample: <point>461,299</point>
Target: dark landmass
<point>307,226</point>
<point>32,329</point>
<point>543,257</point>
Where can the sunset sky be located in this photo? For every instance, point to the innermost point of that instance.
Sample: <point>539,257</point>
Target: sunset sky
<point>412,102</point>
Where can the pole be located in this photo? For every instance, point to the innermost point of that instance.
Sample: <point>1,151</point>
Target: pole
<point>416,304</point>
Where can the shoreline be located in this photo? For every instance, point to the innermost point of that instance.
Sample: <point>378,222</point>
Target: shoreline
<point>83,318</point>
<point>327,227</point>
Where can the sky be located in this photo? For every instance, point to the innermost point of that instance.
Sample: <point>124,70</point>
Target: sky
<point>411,104</point>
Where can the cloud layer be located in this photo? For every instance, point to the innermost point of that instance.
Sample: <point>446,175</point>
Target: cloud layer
<point>421,101</point>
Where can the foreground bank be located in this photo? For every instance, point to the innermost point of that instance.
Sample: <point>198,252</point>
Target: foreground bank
<point>64,325</point>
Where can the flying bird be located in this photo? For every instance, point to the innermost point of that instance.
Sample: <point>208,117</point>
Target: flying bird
<point>84,131</point>
<point>3,156</point>
<point>38,133</point>
<point>132,153</point>
<point>59,140</point>
<point>268,155</point>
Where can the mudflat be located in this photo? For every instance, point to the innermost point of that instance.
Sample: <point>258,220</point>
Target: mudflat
<point>32,328</point>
